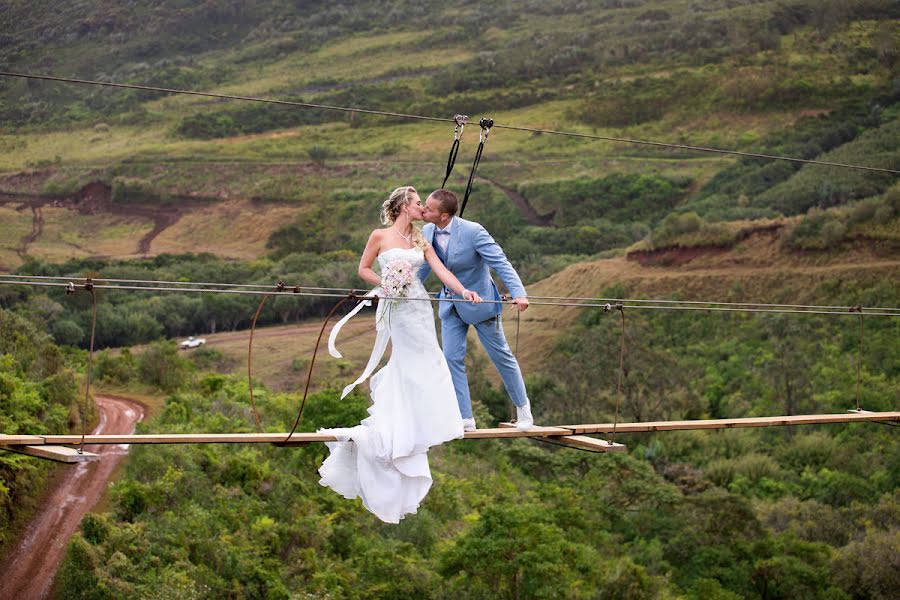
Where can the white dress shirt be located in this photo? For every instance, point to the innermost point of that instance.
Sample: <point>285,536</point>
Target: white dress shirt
<point>443,240</point>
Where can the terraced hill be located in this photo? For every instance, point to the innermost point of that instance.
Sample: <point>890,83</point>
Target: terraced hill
<point>243,179</point>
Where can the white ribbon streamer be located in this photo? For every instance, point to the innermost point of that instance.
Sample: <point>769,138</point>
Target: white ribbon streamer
<point>381,339</point>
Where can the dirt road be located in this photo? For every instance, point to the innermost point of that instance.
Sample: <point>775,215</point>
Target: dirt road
<point>28,570</point>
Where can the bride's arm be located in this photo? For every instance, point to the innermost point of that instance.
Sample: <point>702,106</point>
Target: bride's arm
<point>368,258</point>
<point>448,278</point>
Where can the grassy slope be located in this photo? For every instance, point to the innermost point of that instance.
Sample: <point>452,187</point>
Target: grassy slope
<point>754,270</point>
<point>371,159</point>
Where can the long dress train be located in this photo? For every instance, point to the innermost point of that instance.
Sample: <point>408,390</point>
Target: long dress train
<point>384,459</point>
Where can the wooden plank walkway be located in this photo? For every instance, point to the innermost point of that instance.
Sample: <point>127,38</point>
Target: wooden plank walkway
<point>501,432</point>
<point>63,454</point>
<point>581,442</point>
<point>850,417</point>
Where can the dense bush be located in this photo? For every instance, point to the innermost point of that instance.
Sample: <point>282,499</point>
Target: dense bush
<point>857,133</point>
<point>824,187</point>
<point>688,229</point>
<point>876,218</point>
<point>251,118</point>
<point>161,366</point>
<point>620,198</point>
<point>38,394</point>
<point>505,519</point>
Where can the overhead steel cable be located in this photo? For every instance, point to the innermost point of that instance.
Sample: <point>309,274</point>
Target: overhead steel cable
<point>623,140</point>
<point>699,148</point>
<point>151,88</point>
<point>707,306</point>
<point>157,281</point>
<point>749,304</point>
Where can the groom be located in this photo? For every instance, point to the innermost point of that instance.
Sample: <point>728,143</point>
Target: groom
<point>469,251</point>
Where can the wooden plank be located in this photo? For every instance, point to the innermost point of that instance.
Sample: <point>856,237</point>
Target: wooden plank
<point>191,438</point>
<point>268,438</point>
<point>734,423</point>
<point>583,442</point>
<point>511,432</point>
<point>20,439</point>
<point>62,454</point>
<point>506,430</point>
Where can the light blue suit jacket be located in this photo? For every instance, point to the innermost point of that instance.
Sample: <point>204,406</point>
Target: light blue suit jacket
<point>471,254</point>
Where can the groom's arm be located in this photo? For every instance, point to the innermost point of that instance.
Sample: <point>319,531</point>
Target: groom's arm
<point>493,255</point>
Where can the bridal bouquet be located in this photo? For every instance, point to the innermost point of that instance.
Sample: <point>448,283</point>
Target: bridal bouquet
<point>397,278</point>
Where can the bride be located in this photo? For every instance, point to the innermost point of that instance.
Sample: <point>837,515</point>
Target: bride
<point>384,460</point>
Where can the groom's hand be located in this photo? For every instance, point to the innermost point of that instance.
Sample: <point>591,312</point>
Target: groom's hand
<point>520,303</point>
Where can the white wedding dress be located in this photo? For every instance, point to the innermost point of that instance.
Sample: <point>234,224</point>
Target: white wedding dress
<point>384,460</point>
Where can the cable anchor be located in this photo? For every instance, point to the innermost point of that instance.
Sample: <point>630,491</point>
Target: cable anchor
<point>609,307</point>
<point>486,124</point>
<point>461,122</point>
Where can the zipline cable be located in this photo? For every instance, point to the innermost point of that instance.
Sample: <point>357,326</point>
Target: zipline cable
<point>150,88</point>
<point>193,283</point>
<point>875,311</point>
<point>440,119</point>
<point>344,291</point>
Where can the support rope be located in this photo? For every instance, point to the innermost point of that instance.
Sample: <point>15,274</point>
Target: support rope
<point>485,125</point>
<point>70,290</point>
<point>461,121</point>
<point>859,355</point>
<point>279,287</point>
<point>312,363</point>
<point>612,437</point>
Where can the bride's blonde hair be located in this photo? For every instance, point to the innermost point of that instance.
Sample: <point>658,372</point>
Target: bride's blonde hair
<point>390,210</point>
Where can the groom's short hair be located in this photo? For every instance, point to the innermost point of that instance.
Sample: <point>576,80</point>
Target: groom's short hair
<point>448,201</point>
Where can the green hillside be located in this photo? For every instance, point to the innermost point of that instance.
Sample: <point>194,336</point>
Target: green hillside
<point>796,78</point>
<point>126,184</point>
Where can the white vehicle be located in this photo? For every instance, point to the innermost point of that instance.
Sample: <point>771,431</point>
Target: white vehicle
<point>192,342</point>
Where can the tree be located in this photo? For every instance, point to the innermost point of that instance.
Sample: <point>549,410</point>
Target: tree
<point>513,552</point>
<point>160,365</point>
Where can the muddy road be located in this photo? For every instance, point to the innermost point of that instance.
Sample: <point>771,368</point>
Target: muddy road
<point>28,569</point>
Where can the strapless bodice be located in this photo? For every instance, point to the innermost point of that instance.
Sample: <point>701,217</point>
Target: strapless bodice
<point>414,256</point>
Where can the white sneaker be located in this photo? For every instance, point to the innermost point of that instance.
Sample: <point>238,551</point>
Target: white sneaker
<point>524,420</point>
<point>468,424</point>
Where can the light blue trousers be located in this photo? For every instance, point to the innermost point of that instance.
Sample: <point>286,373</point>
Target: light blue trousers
<point>490,332</point>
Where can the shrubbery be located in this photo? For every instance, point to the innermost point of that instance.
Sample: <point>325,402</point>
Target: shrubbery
<point>875,219</point>
<point>857,133</point>
<point>38,394</point>
<point>620,198</point>
<point>688,229</point>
